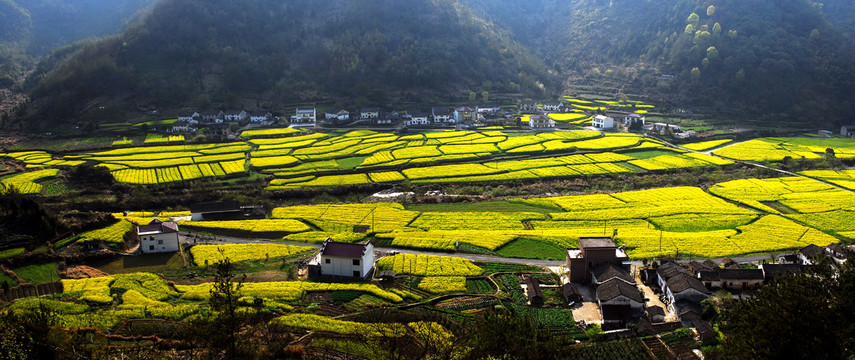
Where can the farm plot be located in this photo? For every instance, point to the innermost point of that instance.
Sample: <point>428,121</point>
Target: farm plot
<point>443,284</point>
<point>842,178</point>
<point>171,163</point>
<point>706,145</point>
<point>257,227</point>
<point>474,220</point>
<point>429,265</point>
<point>775,149</point>
<point>210,254</point>
<point>39,159</point>
<point>379,217</point>
<point>804,195</point>
<point>25,183</point>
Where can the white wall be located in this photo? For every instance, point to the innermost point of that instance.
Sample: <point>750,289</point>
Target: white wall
<point>167,242</point>
<point>342,266</point>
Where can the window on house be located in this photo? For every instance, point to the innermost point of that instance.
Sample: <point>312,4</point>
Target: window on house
<point>327,261</point>
<point>356,262</point>
<point>160,242</point>
<point>357,274</point>
<point>151,247</point>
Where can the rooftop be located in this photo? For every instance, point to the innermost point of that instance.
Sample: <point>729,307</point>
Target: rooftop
<point>596,242</point>
<point>615,288</point>
<point>157,226</point>
<point>332,248</point>
<point>608,271</point>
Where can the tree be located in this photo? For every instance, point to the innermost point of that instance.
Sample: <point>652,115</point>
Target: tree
<point>472,96</point>
<point>693,19</point>
<point>485,96</point>
<point>716,29</point>
<point>702,37</point>
<point>711,10</point>
<point>712,53</point>
<point>814,307</point>
<point>228,317</point>
<point>696,74</point>
<point>689,29</point>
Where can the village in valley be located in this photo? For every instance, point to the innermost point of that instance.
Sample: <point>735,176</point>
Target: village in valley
<point>442,235</point>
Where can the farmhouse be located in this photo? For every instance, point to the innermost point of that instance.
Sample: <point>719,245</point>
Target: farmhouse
<point>343,259</point>
<point>732,279</point>
<point>189,116</point>
<point>337,114</point>
<point>465,114</point>
<point>260,117</point>
<point>571,292</point>
<point>631,118</point>
<point>369,113</point>
<point>416,118</point>
<point>213,117</point>
<point>528,107</point>
<point>772,271</point>
<point>441,115</point>
<point>809,254</point>
<point>488,109</point>
<point>304,116</point>
<point>592,252</point>
<point>235,115</point>
<point>541,122</point>
<point>603,122</point>
<point>848,131</point>
<point>553,106</point>
<point>617,292</point>
<point>158,236</point>
<point>183,126</point>
<point>656,314</point>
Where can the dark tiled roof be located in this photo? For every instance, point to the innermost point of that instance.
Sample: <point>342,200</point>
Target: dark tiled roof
<point>554,103</point>
<point>232,112</point>
<point>683,282</point>
<point>634,115</point>
<point>539,117</point>
<point>533,288</point>
<point>465,109</point>
<point>159,226</point>
<point>671,269</point>
<point>608,271</point>
<point>683,307</point>
<point>218,206</point>
<point>332,248</point>
<point>655,310</point>
<point>703,327</point>
<point>441,111</point>
<point>740,274</point>
<point>780,269</point>
<point>370,109</point>
<point>416,113</point>
<point>528,102</point>
<point>617,312</point>
<point>708,275</point>
<point>644,327</point>
<point>259,113</point>
<point>570,291</point>
<point>811,250</point>
<point>615,288</point>
<point>596,242</point>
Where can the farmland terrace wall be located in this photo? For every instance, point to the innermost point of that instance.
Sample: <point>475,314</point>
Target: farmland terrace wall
<point>24,291</point>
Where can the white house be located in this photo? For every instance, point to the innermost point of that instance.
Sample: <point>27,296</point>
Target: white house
<point>235,115</point>
<point>442,115</point>
<point>260,116</point>
<point>416,118</point>
<point>189,116</point>
<point>619,292</point>
<point>343,259</point>
<point>627,120</point>
<point>304,116</point>
<point>541,122</point>
<point>848,131</point>
<point>553,106</point>
<point>158,236</point>
<point>183,126</point>
<point>337,114</point>
<point>488,109</point>
<point>603,122</point>
<point>369,113</point>
<point>213,117</point>
<point>528,107</point>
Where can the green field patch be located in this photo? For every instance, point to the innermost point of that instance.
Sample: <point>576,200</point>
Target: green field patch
<point>38,274</point>
<point>641,155</point>
<point>700,222</point>
<point>532,249</point>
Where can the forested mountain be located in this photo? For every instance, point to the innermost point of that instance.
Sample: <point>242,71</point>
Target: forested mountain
<point>267,52</point>
<point>783,59</point>
<point>30,29</point>
<point>760,56</point>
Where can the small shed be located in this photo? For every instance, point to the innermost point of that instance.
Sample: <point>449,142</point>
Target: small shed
<point>533,292</point>
<point>571,292</point>
<point>387,275</point>
<point>704,329</point>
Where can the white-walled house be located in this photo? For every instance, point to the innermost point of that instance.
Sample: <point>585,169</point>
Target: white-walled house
<point>189,116</point>
<point>337,114</point>
<point>369,113</point>
<point>235,115</point>
<point>416,118</point>
<point>260,116</point>
<point>847,130</point>
<point>465,114</point>
<point>304,116</point>
<point>158,236</point>
<point>541,122</point>
<point>442,115</point>
<point>603,122</point>
<point>627,120</point>
<point>343,259</point>
<point>553,106</point>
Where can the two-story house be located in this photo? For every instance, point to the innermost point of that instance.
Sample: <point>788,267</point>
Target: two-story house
<point>158,236</point>
<point>344,259</point>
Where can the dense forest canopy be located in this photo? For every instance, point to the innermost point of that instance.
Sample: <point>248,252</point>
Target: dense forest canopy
<point>786,59</point>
